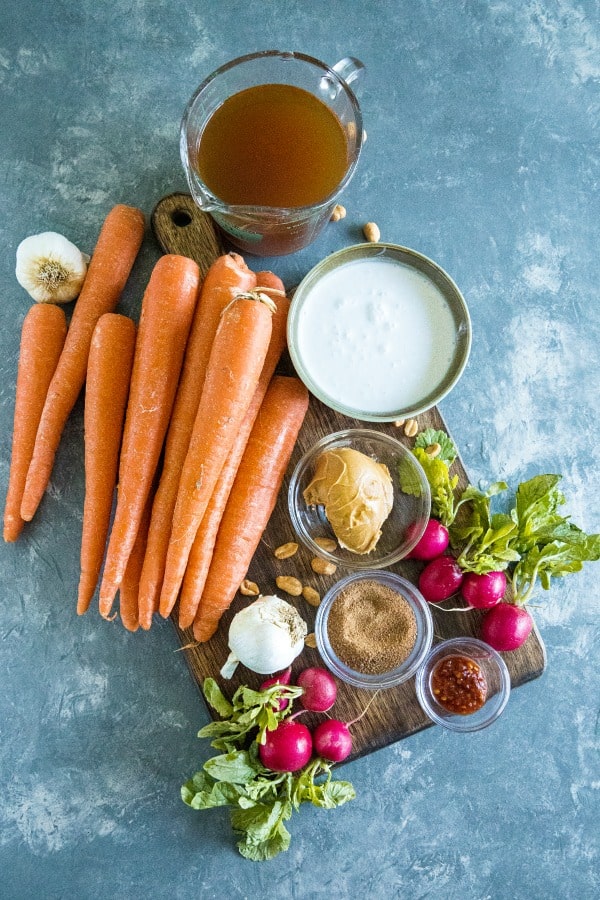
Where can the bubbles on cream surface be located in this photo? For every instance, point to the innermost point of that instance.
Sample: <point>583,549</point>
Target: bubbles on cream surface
<point>376,336</point>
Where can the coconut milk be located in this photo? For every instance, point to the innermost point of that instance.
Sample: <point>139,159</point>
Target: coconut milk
<point>376,336</point>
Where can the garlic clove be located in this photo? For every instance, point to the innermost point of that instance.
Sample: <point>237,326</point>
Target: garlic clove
<point>50,267</point>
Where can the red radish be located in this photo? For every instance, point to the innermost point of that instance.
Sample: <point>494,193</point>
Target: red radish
<point>332,740</point>
<point>287,748</point>
<point>440,578</point>
<point>320,689</point>
<point>432,543</point>
<point>483,591</point>
<point>506,626</point>
<point>282,678</point>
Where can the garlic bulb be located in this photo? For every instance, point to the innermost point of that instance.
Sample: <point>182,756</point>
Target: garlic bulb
<point>265,636</point>
<point>50,267</point>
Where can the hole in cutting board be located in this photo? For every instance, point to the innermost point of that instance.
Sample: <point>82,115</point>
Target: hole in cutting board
<point>181,218</point>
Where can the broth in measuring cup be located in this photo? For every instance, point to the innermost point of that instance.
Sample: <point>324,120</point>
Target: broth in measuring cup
<point>273,145</point>
<point>268,143</point>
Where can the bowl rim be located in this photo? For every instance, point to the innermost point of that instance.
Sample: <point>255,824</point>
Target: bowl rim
<point>417,261</point>
<point>415,659</point>
<point>367,561</point>
<point>462,723</point>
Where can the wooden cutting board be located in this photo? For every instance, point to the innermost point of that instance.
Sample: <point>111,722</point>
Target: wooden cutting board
<point>180,227</point>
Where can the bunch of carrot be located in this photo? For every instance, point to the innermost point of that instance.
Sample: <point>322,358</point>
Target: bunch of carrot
<point>196,385</point>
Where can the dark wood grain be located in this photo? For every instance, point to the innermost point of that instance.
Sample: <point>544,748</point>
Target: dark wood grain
<point>395,713</point>
<point>180,227</point>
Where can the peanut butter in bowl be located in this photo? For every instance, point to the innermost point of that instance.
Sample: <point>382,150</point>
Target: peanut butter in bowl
<point>356,493</point>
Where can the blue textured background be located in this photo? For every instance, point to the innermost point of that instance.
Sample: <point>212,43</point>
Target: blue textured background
<point>482,153</point>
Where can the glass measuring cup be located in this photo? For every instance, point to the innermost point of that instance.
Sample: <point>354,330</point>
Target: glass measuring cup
<point>269,230</point>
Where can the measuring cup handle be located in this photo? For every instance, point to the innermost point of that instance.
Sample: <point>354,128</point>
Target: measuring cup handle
<point>351,70</point>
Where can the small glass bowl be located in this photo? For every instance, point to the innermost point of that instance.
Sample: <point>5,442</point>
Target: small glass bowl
<point>494,670</point>
<point>410,665</point>
<point>406,522</point>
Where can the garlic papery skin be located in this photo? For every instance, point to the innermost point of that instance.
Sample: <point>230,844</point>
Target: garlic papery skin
<point>265,636</point>
<point>50,267</point>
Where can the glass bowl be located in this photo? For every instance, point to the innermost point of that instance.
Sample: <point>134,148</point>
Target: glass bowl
<point>402,672</point>
<point>393,323</point>
<point>406,522</point>
<point>494,671</point>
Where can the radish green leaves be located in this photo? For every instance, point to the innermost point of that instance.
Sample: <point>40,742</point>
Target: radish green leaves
<point>532,539</point>
<point>260,799</point>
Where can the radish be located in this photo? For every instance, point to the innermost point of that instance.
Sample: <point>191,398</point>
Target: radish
<point>483,591</point>
<point>440,578</point>
<point>332,740</point>
<point>432,543</point>
<point>287,748</point>
<point>506,626</point>
<point>282,678</point>
<point>319,687</point>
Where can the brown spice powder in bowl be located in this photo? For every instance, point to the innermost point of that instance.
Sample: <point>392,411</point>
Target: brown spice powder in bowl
<point>371,627</point>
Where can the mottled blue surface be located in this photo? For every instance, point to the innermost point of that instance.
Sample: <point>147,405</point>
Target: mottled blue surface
<point>482,152</point>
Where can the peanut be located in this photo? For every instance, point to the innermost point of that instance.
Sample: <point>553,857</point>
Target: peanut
<point>339,212</point>
<point>399,423</point>
<point>322,566</point>
<point>411,428</point>
<point>371,232</point>
<point>326,544</point>
<point>310,595</point>
<point>286,550</point>
<point>289,584</point>
<point>433,450</point>
<point>310,640</point>
<point>249,588</point>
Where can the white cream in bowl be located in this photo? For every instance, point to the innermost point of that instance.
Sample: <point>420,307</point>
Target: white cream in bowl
<point>375,337</point>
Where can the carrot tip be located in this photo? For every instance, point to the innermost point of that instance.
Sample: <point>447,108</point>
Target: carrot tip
<point>189,646</point>
<point>107,598</point>
<point>165,609</point>
<point>110,618</point>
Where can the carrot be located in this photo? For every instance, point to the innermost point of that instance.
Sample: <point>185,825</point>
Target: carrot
<point>227,277</point>
<point>106,389</point>
<point>42,338</point>
<point>167,310</point>
<point>252,498</point>
<point>234,367</point>
<point>129,590</point>
<point>118,244</point>
<point>202,548</point>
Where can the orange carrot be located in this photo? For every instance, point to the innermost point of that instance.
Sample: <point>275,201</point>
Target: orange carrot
<point>42,338</point>
<point>129,590</point>
<point>227,277</point>
<point>252,498</point>
<point>117,247</point>
<point>167,310</point>
<point>106,389</point>
<point>202,548</point>
<point>234,367</point>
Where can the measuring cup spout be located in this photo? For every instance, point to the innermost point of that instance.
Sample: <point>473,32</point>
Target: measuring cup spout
<point>198,189</point>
